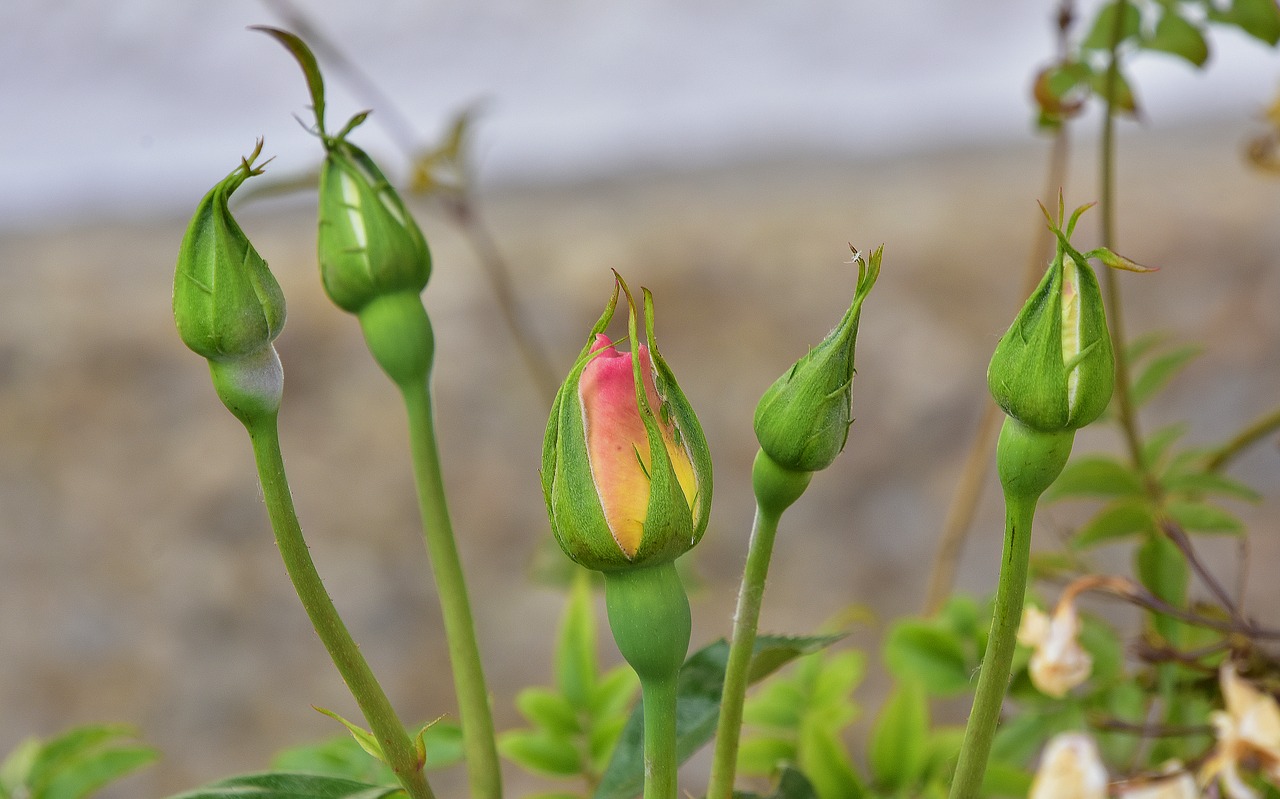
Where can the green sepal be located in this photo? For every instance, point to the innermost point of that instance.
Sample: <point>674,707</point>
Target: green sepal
<point>1044,380</point>
<point>577,517</point>
<point>802,421</point>
<point>226,302</point>
<point>368,243</point>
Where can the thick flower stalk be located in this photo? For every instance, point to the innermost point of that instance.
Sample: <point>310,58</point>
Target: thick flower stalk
<point>374,263</point>
<point>229,309</point>
<point>802,423</point>
<point>1052,373</point>
<point>627,479</point>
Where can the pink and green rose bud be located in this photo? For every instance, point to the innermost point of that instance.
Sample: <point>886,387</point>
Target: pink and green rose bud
<point>226,303</point>
<point>802,421</point>
<point>1054,369</point>
<point>625,467</point>
<point>369,244</point>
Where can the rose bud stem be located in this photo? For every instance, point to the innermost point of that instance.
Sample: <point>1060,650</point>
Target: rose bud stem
<point>802,423</point>
<point>375,263</point>
<point>1052,373</point>
<point>1028,461</point>
<point>776,489</point>
<point>229,309</point>
<point>649,616</point>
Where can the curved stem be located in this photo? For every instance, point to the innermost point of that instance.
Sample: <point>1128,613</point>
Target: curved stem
<point>483,767</point>
<point>994,677</point>
<point>398,750</point>
<point>745,620</point>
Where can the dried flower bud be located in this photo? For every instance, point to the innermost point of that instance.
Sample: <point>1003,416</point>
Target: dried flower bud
<point>1070,768</point>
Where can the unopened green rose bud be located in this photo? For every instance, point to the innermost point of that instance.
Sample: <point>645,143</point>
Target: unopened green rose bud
<point>802,421</point>
<point>1054,369</point>
<point>625,467</point>
<point>226,303</point>
<point>369,245</point>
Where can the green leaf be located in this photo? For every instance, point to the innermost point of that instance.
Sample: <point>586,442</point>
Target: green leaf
<point>1005,780</point>
<point>613,694</point>
<point>15,769</point>
<point>368,742</point>
<point>839,674</point>
<point>1159,372</point>
<point>1122,519</point>
<point>897,754</point>
<point>310,69</point>
<point>1158,443</point>
<point>1200,517</point>
<point>542,752</point>
<point>80,761</point>
<point>1101,33</point>
<point>91,773</point>
<point>919,650</point>
<point>1196,483</point>
<point>575,660</point>
<point>549,710</point>
<point>791,785</point>
<point>1106,649</point>
<point>1177,36</point>
<point>1125,101</point>
<point>340,756</point>
<point>1164,571</point>
<point>1125,701</point>
<point>697,707</point>
<point>1095,476</point>
<point>772,652</point>
<point>1258,18</point>
<point>760,755</point>
<point>283,785</point>
<point>825,762</point>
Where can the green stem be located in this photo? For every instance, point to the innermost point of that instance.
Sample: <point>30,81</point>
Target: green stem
<point>1111,285</point>
<point>776,488</point>
<point>649,617</point>
<point>996,663</point>
<point>479,744</point>
<point>1255,432</point>
<point>745,621</point>
<point>661,764</point>
<point>400,753</point>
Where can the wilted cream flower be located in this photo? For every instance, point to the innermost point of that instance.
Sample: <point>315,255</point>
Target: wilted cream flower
<point>1070,769</point>
<point>1059,663</point>
<point>1248,732</point>
<point>1175,783</point>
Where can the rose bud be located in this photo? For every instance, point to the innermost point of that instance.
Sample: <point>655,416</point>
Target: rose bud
<point>802,421</point>
<point>226,302</point>
<point>1054,369</point>
<point>369,245</point>
<point>228,306</point>
<point>625,469</point>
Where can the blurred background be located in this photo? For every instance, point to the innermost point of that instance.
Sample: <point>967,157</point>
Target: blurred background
<point>721,153</point>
